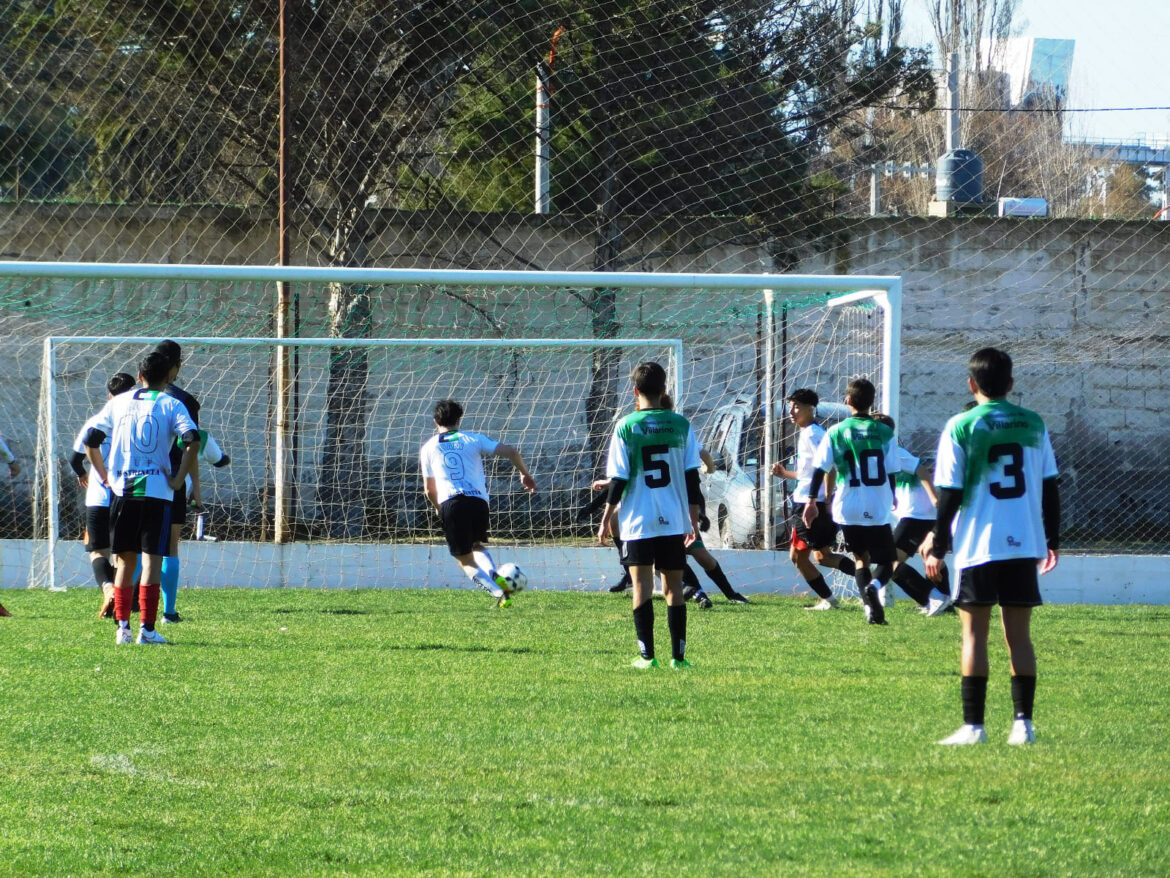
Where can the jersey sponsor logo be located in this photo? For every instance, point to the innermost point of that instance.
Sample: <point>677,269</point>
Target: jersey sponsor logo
<point>1012,541</point>
<point>662,520</point>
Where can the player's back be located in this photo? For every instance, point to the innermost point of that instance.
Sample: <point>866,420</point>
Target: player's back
<point>454,459</point>
<point>142,426</point>
<point>863,453</point>
<point>652,449</point>
<point>910,497</point>
<point>999,454</point>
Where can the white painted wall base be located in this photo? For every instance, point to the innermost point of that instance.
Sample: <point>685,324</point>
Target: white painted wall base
<point>1078,579</point>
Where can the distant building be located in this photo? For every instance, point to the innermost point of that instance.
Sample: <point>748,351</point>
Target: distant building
<point>1037,69</point>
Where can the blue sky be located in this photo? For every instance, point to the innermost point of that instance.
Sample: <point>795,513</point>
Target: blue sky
<point>1122,59</point>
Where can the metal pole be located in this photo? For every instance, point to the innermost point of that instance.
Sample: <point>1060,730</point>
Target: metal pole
<point>542,137</point>
<point>766,481</point>
<point>875,191</point>
<point>952,132</point>
<point>283,467</point>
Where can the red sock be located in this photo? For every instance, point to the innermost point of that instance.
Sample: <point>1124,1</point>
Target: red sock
<point>148,599</point>
<point>123,597</point>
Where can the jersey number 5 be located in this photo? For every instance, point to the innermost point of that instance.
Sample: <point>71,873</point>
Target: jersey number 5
<point>1013,469</point>
<point>657,471</point>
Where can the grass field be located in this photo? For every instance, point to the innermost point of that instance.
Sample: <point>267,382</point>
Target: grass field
<point>421,732</point>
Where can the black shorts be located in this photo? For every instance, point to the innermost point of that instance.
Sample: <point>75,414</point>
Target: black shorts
<point>465,523</point>
<point>97,528</point>
<point>1014,583</point>
<point>665,553</point>
<point>910,532</point>
<point>876,541</point>
<point>179,505</point>
<point>140,524</point>
<point>822,534</point>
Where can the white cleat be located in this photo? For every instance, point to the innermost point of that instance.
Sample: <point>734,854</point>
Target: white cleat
<point>824,604</point>
<point>937,603</point>
<point>886,596</point>
<point>145,636</point>
<point>123,636</point>
<point>967,734</point>
<point>1022,732</point>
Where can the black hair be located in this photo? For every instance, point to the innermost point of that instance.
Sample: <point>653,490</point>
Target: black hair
<point>883,418</point>
<point>991,370</point>
<point>805,396</point>
<point>120,382</point>
<point>170,350</point>
<point>155,367</point>
<point>861,394</point>
<point>666,401</point>
<point>649,379</point>
<point>448,413</point>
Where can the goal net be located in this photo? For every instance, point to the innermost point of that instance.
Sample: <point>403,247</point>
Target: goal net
<point>323,428</point>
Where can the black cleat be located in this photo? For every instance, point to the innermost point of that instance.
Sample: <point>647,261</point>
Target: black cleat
<point>621,585</point>
<point>877,613</point>
<point>702,600</point>
<point>737,598</point>
<point>171,618</point>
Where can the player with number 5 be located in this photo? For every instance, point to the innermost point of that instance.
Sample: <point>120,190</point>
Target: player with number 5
<point>653,467</point>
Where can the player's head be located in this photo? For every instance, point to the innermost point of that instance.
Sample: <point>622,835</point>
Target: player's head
<point>883,418</point>
<point>802,406</point>
<point>448,414</point>
<point>120,382</point>
<point>990,370</point>
<point>172,351</point>
<point>860,394</point>
<point>649,380</point>
<point>154,369</point>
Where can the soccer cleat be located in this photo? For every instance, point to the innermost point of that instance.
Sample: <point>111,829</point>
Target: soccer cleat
<point>504,600</point>
<point>1022,732</point>
<point>737,598</point>
<point>621,585</point>
<point>689,591</point>
<point>107,608</point>
<point>967,734</point>
<point>643,664</point>
<point>937,603</point>
<point>171,619</point>
<point>886,596</point>
<point>145,636</point>
<point>124,635</point>
<point>679,664</point>
<point>829,604</point>
<point>876,614</point>
<point>702,600</point>
<point>4,612</point>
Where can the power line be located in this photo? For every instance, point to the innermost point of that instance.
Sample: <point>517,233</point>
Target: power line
<point>1029,109</point>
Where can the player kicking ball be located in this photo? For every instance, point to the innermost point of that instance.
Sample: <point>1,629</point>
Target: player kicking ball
<point>454,483</point>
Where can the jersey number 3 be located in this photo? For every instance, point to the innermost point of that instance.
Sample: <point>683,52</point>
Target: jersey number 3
<point>657,471</point>
<point>1013,469</point>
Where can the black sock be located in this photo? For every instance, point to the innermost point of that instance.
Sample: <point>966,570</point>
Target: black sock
<point>846,566</point>
<point>1023,695</point>
<point>974,692</point>
<point>882,574</point>
<point>676,621</point>
<point>103,570</point>
<point>720,579</point>
<point>913,583</point>
<point>644,628</point>
<point>863,578</point>
<point>690,578</point>
<point>821,587</point>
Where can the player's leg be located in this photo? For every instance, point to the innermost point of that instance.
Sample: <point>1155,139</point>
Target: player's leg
<point>97,545</point>
<point>814,541</point>
<point>713,569</point>
<point>977,595</point>
<point>670,558</point>
<point>692,589</point>
<point>155,542</point>
<point>642,591</point>
<point>169,579</point>
<point>625,582</point>
<point>1020,593</point>
<point>124,545</point>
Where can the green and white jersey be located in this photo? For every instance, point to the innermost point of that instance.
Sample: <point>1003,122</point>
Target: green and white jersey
<point>96,494</point>
<point>454,459</point>
<point>999,454</point>
<point>142,425</point>
<point>910,497</point>
<point>807,441</point>
<point>652,449</point>
<point>863,452</point>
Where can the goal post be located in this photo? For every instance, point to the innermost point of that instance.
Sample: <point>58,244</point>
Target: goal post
<point>323,431</point>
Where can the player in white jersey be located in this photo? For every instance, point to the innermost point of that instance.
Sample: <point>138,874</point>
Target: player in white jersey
<point>996,478</point>
<point>914,510</point>
<point>141,424</point>
<point>97,503</point>
<point>13,471</point>
<point>454,483</point>
<point>861,451</point>
<point>653,467</point>
<point>817,540</point>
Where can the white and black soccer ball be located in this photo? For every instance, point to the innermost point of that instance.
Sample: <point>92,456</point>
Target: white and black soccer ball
<point>513,576</point>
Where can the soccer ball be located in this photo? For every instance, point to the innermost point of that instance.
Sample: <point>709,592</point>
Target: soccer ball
<point>514,576</point>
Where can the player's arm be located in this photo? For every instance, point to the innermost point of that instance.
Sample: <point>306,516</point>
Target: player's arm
<point>810,508</point>
<point>77,464</point>
<point>431,490</point>
<point>949,500</point>
<point>617,487</point>
<point>708,461</point>
<point>94,437</point>
<point>189,461</point>
<point>9,458</point>
<point>1050,512</point>
<point>695,502</point>
<point>512,454</point>
<point>927,478</point>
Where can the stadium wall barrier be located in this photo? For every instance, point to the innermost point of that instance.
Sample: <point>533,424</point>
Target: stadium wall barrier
<point>1078,579</point>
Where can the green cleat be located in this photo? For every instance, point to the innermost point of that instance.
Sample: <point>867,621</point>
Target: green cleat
<point>504,600</point>
<point>678,664</point>
<point>644,663</point>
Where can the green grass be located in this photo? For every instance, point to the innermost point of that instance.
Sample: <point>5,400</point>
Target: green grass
<point>421,732</point>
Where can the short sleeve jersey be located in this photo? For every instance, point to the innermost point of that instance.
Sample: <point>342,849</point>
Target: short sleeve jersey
<point>142,425</point>
<point>96,494</point>
<point>652,449</point>
<point>454,459</point>
<point>192,405</point>
<point>807,441</point>
<point>999,454</point>
<point>863,452</point>
<point>910,497</point>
